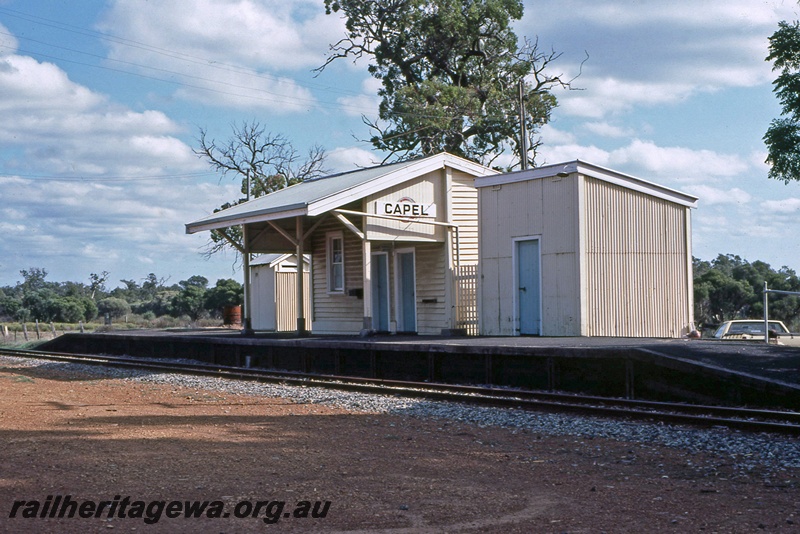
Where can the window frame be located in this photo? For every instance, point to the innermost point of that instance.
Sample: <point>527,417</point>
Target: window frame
<point>330,264</point>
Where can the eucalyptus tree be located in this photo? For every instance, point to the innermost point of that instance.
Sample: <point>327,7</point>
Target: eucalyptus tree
<point>453,75</point>
<point>783,135</point>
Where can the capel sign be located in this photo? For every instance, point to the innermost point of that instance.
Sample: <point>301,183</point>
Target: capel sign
<point>405,208</point>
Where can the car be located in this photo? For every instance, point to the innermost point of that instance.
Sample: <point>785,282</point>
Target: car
<point>753,330</point>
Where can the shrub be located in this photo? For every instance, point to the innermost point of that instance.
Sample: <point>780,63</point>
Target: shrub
<point>114,307</point>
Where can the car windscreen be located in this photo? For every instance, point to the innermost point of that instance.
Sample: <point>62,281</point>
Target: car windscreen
<point>755,328</point>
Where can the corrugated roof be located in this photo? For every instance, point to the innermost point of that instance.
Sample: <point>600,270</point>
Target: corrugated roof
<point>595,171</point>
<point>329,192</point>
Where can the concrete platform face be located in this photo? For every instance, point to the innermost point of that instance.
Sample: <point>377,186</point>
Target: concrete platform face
<point>702,371</point>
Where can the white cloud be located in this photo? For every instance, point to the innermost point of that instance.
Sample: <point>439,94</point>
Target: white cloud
<point>62,127</point>
<point>710,196</point>
<point>605,129</point>
<point>679,163</point>
<point>608,95</point>
<point>787,205</point>
<point>28,85</point>
<point>655,53</point>
<point>102,226</point>
<point>8,43</point>
<point>570,152</point>
<point>364,104</point>
<point>227,52</point>
<point>349,158</point>
<point>278,35</point>
<point>646,159</point>
<point>554,136</point>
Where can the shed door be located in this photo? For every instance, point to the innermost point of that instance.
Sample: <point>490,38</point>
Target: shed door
<point>528,287</point>
<point>406,292</point>
<point>380,292</point>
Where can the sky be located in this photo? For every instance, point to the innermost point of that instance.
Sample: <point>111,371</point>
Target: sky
<point>101,103</point>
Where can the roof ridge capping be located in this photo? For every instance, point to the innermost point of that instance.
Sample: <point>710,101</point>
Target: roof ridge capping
<point>594,171</point>
<point>314,197</point>
<point>384,180</point>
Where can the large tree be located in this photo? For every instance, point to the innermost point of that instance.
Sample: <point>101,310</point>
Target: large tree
<point>453,74</point>
<point>263,161</point>
<point>783,136</point>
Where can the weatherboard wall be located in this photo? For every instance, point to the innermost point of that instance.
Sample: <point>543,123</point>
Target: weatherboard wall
<point>336,312</point>
<point>455,197</point>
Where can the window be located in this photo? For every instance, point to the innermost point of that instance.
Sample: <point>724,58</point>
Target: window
<point>335,263</point>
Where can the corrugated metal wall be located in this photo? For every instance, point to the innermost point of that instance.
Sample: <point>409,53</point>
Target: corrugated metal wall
<point>636,264</point>
<point>286,298</point>
<point>545,209</point>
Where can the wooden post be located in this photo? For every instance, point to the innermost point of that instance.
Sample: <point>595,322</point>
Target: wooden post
<point>366,252</point>
<point>53,329</point>
<point>38,333</point>
<point>25,331</point>
<point>247,322</point>
<point>300,293</point>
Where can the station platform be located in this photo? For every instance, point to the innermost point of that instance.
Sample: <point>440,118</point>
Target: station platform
<point>700,371</point>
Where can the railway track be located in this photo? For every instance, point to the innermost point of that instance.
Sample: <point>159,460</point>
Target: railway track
<point>743,419</point>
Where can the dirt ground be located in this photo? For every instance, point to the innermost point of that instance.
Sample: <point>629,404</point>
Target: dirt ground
<point>136,445</point>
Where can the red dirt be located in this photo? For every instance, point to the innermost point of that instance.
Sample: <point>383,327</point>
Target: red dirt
<point>96,439</point>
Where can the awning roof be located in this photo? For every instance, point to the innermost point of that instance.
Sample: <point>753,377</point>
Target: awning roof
<point>314,197</point>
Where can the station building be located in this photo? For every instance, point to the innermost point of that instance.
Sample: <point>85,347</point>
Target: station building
<point>441,244</point>
<point>393,248</point>
<point>575,249</point>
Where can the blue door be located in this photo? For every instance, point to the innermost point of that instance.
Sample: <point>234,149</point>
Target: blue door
<point>380,292</point>
<point>406,293</point>
<point>528,287</point>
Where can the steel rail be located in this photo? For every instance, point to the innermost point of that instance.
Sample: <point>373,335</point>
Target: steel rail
<point>676,413</point>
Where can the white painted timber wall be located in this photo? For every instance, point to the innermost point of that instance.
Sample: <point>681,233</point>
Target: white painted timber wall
<point>336,313</point>
<point>456,197</point>
<point>464,212</point>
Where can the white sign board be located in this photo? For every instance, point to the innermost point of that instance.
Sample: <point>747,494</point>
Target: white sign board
<point>405,209</point>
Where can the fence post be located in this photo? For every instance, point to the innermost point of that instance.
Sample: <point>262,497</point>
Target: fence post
<point>38,333</point>
<point>25,330</point>
<point>766,313</point>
